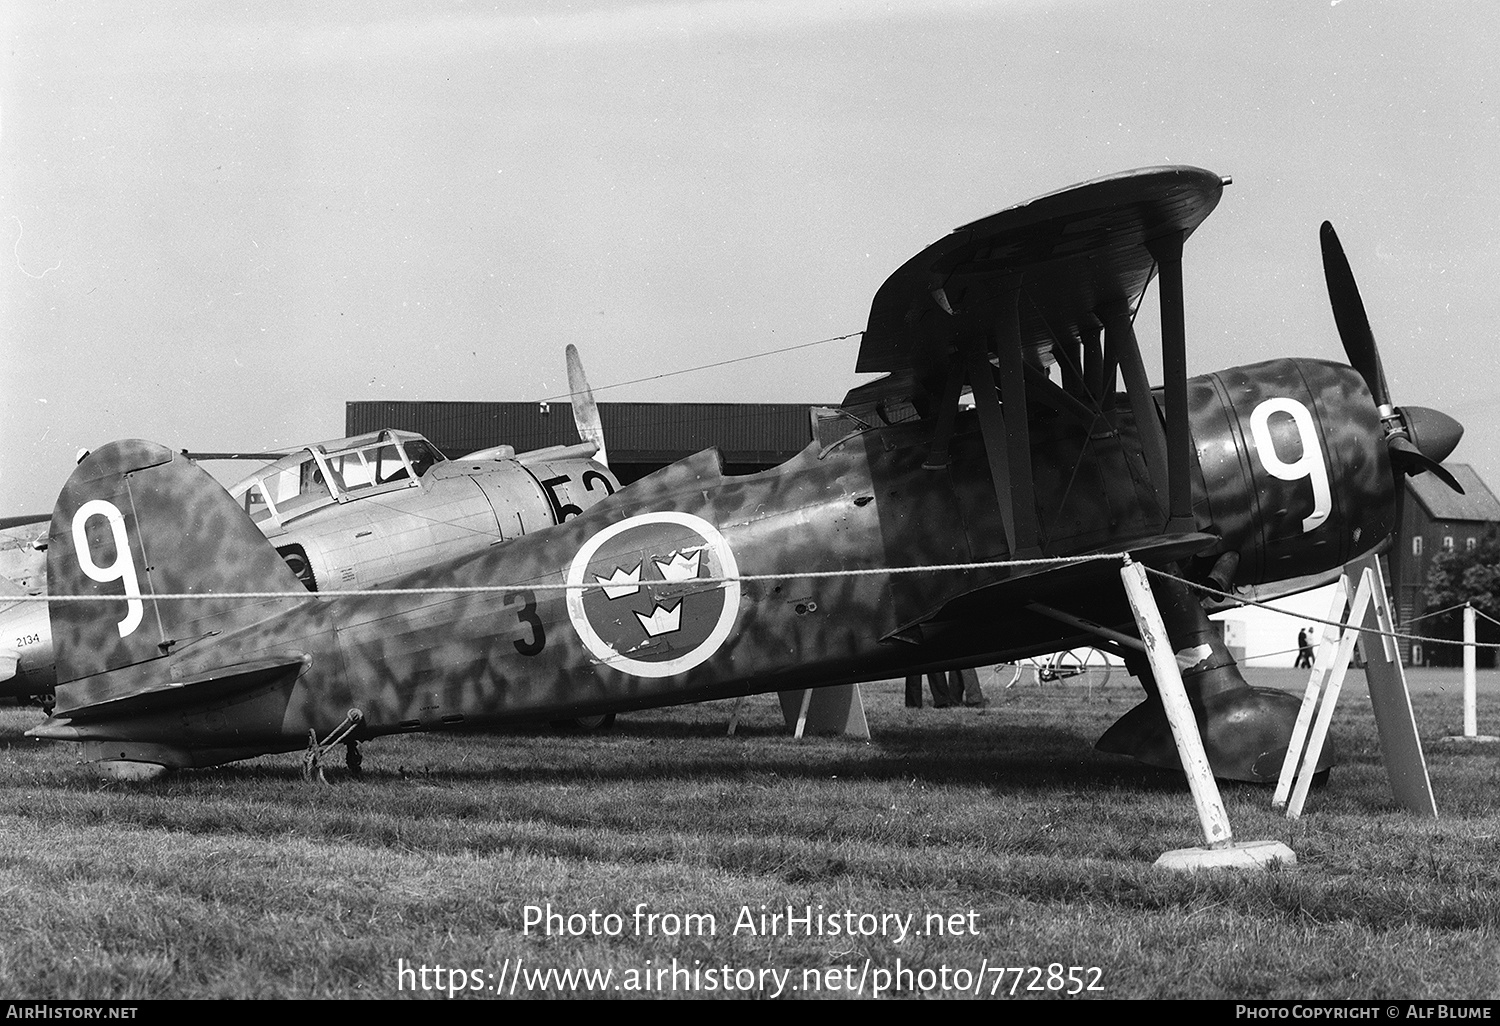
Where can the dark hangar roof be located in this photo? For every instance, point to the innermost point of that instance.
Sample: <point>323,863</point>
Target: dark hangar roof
<point>633,432</point>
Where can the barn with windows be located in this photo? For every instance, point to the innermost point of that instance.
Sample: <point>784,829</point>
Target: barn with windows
<point>1435,519</point>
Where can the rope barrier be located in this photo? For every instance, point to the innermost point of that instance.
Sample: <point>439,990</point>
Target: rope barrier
<point>998,564</point>
<point>1438,612</point>
<point>1399,635</point>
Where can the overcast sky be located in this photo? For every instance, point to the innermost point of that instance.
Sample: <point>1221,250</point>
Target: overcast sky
<point>223,225</point>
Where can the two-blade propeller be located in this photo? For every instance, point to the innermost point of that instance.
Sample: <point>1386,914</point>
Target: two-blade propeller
<point>585,418</point>
<point>585,410</point>
<point>1418,438</point>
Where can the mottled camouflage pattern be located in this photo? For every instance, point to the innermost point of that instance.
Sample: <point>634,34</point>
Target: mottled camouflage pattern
<point>185,536</point>
<point>1259,515</point>
<point>456,508</point>
<point>262,672</point>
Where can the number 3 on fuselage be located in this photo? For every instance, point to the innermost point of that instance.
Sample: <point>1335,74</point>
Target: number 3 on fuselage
<point>121,569</point>
<point>1310,464</point>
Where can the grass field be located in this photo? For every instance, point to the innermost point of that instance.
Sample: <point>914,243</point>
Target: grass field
<point>1003,836</point>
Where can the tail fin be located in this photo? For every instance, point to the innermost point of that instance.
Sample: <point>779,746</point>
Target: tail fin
<point>135,521</point>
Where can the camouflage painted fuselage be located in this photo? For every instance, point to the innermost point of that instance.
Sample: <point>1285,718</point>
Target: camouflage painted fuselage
<point>627,606</point>
<point>341,540</point>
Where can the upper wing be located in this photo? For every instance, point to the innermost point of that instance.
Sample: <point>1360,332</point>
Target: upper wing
<point>1077,250</point>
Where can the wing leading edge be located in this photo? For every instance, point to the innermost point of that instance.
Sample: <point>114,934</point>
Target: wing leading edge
<point>1076,251</point>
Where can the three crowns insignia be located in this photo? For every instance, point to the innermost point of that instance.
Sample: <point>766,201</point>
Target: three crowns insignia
<point>623,583</point>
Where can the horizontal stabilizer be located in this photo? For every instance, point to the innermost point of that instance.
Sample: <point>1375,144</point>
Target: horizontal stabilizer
<point>576,450</point>
<point>211,686</point>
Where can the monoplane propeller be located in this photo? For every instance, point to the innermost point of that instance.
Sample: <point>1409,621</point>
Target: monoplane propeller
<point>1417,437</point>
<point>585,410</point>
<point>585,415</point>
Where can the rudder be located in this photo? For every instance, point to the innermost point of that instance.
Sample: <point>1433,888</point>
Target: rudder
<point>136,520</point>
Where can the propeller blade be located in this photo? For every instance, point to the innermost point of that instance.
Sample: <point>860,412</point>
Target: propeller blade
<point>1410,460</point>
<point>1418,438</point>
<point>1349,314</point>
<point>585,410</point>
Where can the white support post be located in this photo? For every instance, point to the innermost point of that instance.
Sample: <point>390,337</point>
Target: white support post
<point>839,709</point>
<point>1322,669</point>
<point>834,710</point>
<point>1390,701</point>
<point>1221,851</point>
<point>1471,675</point>
<point>1400,747</point>
<point>1308,767</point>
<point>801,726</point>
<point>1471,733</point>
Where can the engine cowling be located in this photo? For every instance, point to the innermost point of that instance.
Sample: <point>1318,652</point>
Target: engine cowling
<point>1295,474</point>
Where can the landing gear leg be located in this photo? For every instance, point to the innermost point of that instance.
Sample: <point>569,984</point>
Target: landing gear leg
<point>312,759</point>
<point>1245,729</point>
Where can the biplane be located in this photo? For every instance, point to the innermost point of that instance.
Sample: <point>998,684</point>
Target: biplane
<point>970,506</point>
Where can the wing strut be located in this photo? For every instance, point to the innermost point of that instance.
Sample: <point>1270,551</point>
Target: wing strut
<point>1167,249</point>
<point>1119,336</point>
<point>1167,450</point>
<point>1084,256</point>
<point>942,435</point>
<point>1093,364</point>
<point>1018,419</point>
<point>1007,438</point>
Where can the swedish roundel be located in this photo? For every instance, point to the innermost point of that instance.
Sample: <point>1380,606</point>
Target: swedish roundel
<point>653,600</point>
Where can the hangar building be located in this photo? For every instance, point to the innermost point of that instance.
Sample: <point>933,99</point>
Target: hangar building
<point>640,437</point>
